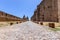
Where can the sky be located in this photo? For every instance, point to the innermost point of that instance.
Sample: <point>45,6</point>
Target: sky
<point>19,7</point>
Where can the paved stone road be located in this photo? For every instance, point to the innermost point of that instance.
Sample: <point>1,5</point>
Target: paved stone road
<point>28,31</point>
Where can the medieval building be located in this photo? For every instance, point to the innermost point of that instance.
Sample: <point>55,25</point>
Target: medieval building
<point>25,18</point>
<point>8,17</point>
<point>47,11</point>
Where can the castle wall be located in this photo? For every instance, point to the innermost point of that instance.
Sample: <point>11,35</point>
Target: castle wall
<point>47,11</point>
<point>7,17</point>
<point>59,10</point>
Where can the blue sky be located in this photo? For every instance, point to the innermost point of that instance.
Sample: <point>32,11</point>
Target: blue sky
<point>19,7</point>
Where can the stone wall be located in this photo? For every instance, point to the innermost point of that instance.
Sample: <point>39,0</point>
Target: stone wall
<point>47,11</point>
<point>35,16</point>
<point>8,17</point>
<point>59,10</point>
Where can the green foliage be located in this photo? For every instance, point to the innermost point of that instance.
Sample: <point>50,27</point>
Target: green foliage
<point>55,29</point>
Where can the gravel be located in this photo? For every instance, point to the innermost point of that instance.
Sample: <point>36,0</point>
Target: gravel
<point>28,31</point>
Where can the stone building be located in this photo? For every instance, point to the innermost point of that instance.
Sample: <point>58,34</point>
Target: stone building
<point>8,17</point>
<point>47,11</point>
<point>25,18</point>
<point>34,17</point>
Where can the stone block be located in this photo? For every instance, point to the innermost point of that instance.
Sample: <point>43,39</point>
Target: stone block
<point>41,23</point>
<point>11,23</point>
<point>52,25</point>
<point>16,22</point>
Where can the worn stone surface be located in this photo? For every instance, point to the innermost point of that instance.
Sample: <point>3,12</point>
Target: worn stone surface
<point>28,31</point>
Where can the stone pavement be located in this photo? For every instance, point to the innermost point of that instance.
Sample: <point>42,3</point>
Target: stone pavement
<point>28,31</point>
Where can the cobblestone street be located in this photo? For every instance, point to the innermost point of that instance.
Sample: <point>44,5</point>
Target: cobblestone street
<point>28,31</point>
